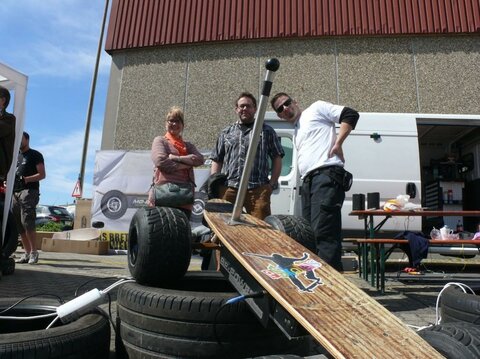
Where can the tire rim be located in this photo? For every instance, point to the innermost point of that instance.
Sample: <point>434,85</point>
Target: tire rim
<point>133,246</point>
<point>114,204</point>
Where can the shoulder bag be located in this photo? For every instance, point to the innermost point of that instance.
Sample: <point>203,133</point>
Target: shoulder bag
<point>173,194</point>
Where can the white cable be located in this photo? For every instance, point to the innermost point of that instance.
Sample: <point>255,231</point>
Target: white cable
<point>116,284</point>
<point>53,322</point>
<point>28,318</point>
<point>462,287</point>
<point>76,307</point>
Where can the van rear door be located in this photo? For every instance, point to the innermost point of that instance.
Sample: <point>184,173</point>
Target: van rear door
<point>285,200</point>
<point>383,155</point>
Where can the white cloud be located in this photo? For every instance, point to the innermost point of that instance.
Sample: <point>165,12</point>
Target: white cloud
<point>62,157</point>
<point>62,36</point>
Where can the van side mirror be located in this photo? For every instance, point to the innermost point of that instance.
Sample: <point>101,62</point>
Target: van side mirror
<point>411,189</point>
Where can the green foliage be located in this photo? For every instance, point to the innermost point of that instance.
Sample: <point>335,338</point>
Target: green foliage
<point>50,227</point>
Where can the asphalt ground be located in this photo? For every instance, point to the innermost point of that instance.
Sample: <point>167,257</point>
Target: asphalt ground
<point>412,298</point>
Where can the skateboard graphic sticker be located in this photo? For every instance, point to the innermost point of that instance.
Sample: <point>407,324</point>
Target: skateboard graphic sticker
<point>299,270</point>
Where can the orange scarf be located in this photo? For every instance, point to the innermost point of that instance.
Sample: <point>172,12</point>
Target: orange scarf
<point>178,143</point>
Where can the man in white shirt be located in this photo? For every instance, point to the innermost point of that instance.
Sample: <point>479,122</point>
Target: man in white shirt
<point>320,163</point>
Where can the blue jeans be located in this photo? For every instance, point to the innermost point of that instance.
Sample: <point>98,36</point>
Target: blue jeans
<point>322,200</point>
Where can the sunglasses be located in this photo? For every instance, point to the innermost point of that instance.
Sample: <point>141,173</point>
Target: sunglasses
<point>282,107</point>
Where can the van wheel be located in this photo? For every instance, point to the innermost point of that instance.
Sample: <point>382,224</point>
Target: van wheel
<point>86,337</point>
<point>159,245</point>
<point>295,227</point>
<point>190,316</point>
<point>457,306</point>
<point>454,340</point>
<point>114,204</point>
<point>10,242</point>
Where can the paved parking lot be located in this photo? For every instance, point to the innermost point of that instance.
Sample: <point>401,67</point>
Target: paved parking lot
<point>411,298</point>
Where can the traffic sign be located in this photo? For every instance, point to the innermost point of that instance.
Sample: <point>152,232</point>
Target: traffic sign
<point>77,191</point>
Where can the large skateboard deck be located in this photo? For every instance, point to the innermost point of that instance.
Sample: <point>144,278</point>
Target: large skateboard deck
<point>339,315</point>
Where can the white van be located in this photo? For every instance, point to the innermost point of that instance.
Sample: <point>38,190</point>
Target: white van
<point>424,155</point>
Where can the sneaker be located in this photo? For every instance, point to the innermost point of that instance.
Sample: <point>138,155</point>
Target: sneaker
<point>33,258</point>
<point>23,259</point>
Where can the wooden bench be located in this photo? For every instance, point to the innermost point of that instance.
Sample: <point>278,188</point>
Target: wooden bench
<point>373,251</point>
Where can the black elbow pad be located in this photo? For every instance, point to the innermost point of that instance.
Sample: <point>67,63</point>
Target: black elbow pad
<point>350,116</point>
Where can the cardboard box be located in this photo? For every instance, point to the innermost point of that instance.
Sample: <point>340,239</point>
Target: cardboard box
<point>39,235</point>
<point>72,246</point>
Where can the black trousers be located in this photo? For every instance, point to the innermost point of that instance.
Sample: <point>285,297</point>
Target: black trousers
<point>322,200</point>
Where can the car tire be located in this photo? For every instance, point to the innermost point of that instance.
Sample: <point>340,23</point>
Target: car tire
<point>114,204</point>
<point>190,319</point>
<point>457,306</point>
<point>7,266</point>
<point>281,356</point>
<point>86,337</point>
<point>159,245</point>
<point>454,340</point>
<point>295,227</point>
<point>10,242</point>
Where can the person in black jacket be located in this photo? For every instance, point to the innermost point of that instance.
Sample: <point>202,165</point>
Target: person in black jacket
<point>7,134</point>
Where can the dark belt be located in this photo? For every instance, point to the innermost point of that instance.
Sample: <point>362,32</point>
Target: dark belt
<point>317,171</point>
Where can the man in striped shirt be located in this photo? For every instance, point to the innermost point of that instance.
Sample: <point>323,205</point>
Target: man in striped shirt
<point>230,154</point>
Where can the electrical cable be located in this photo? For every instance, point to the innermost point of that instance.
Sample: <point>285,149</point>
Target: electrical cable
<point>28,318</point>
<point>61,301</point>
<point>462,286</point>
<point>116,284</point>
<point>53,322</point>
<point>96,279</point>
<point>76,307</point>
<point>246,296</point>
<point>230,301</point>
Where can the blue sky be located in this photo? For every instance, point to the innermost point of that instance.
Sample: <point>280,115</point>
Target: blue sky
<point>54,43</point>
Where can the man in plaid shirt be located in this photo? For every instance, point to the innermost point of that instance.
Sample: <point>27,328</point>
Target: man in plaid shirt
<point>230,154</point>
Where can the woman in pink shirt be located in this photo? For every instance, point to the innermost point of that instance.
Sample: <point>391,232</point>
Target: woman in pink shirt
<point>173,157</point>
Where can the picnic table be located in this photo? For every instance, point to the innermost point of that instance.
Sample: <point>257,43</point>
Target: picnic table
<point>372,254</point>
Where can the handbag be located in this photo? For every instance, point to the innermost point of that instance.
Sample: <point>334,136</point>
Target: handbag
<point>173,194</point>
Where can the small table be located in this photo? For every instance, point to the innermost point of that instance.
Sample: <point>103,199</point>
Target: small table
<point>370,248</point>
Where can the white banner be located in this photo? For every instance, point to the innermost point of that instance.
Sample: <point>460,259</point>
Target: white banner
<point>121,182</point>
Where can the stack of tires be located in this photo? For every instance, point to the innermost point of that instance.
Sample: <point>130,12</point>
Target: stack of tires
<point>458,335</point>
<point>86,337</point>
<point>172,313</point>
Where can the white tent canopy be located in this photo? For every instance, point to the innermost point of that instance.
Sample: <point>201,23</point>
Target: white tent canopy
<point>16,83</point>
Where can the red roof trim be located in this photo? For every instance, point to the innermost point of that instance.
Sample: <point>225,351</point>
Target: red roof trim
<point>141,23</point>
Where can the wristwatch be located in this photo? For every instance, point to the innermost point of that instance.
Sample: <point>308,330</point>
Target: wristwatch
<point>274,185</point>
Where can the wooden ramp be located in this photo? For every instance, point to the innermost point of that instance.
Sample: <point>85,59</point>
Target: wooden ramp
<point>340,316</point>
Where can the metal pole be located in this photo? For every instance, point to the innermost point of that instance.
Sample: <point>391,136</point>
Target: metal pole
<point>81,176</point>
<point>271,65</point>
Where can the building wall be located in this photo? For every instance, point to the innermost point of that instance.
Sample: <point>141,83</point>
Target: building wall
<point>430,74</point>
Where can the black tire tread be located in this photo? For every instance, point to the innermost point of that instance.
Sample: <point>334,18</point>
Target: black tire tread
<point>187,319</point>
<point>179,303</point>
<point>86,337</point>
<point>454,340</point>
<point>457,306</point>
<point>295,227</point>
<point>163,239</point>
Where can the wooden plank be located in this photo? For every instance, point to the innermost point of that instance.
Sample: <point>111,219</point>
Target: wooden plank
<point>340,316</point>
